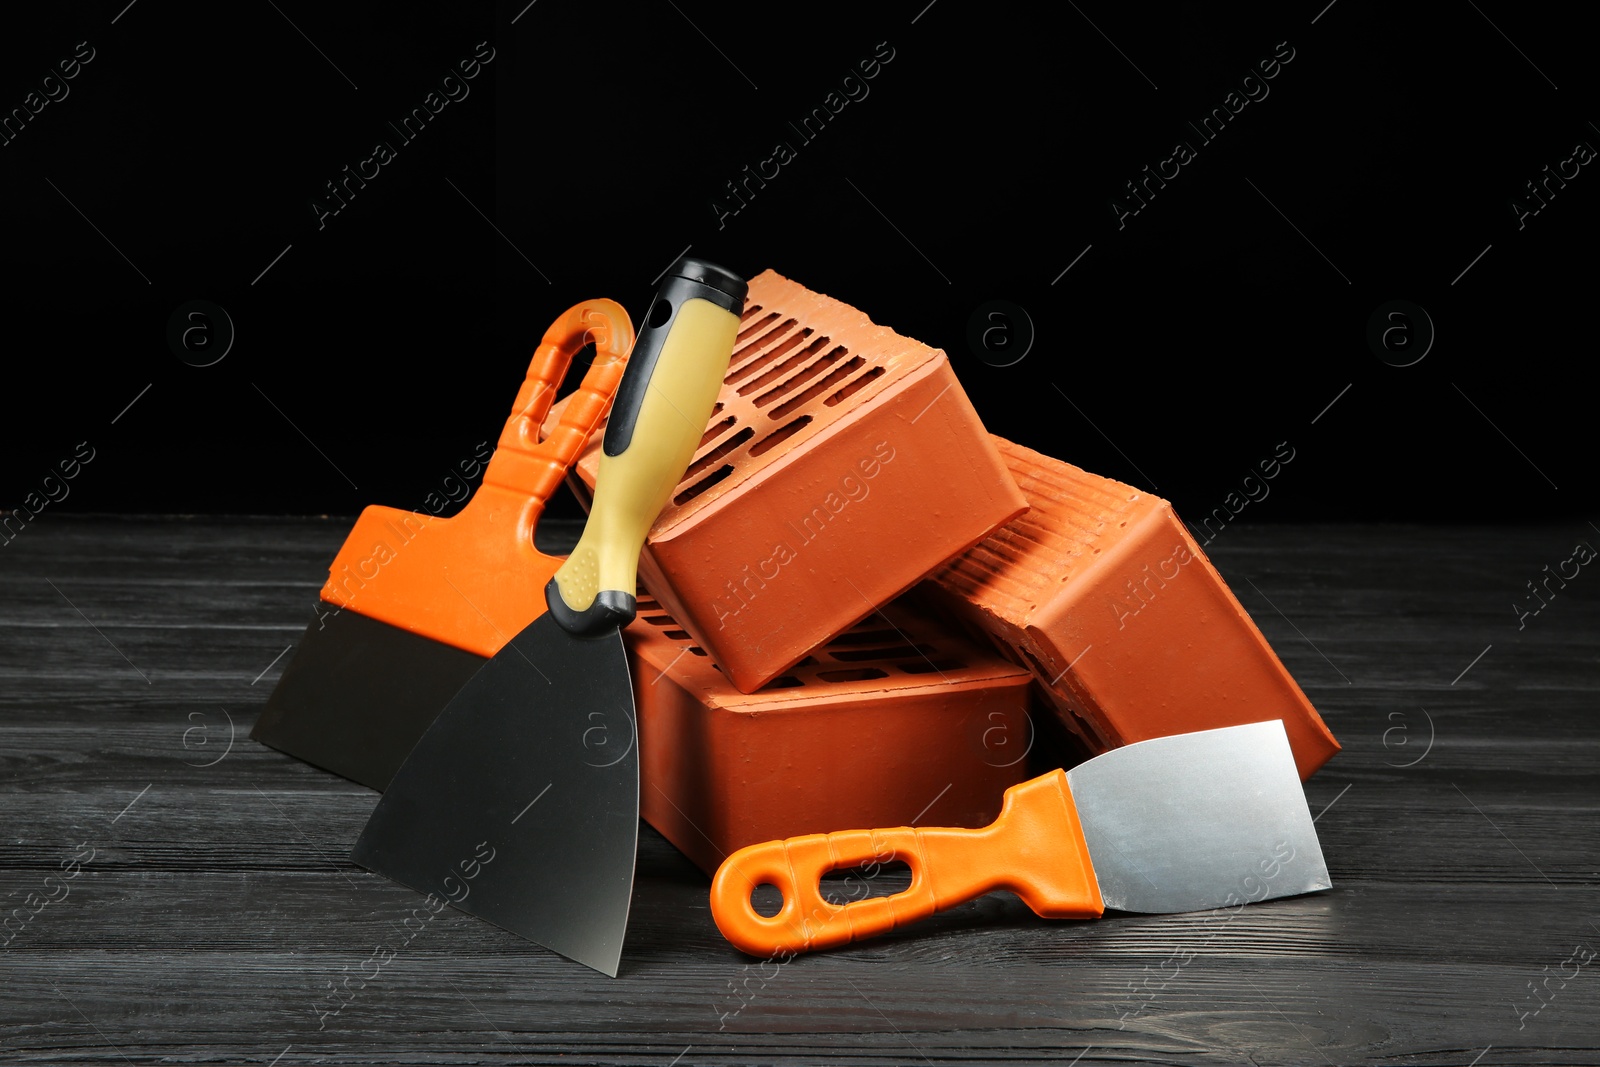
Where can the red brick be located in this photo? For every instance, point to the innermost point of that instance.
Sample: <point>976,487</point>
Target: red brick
<point>1102,593</point>
<point>898,720</point>
<point>842,464</point>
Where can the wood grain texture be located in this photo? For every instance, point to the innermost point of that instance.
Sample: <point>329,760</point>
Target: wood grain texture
<point>1462,830</point>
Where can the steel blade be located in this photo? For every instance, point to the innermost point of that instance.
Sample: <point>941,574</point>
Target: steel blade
<point>358,693</point>
<point>1196,821</point>
<point>520,804</point>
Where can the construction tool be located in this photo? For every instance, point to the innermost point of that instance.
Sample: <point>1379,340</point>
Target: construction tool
<point>1191,822</point>
<point>521,803</point>
<point>415,604</point>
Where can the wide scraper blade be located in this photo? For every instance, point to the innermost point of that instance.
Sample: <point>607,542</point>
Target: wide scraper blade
<point>1198,821</point>
<point>358,693</point>
<point>521,803</point>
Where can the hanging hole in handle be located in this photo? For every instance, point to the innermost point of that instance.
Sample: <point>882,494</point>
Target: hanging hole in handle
<point>582,360</point>
<point>766,900</point>
<point>660,312</point>
<point>846,885</point>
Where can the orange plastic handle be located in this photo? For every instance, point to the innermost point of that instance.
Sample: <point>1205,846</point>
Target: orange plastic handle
<point>474,579</point>
<point>522,462</point>
<point>1035,849</point>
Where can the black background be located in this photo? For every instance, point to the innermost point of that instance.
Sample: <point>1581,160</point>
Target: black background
<point>1175,354</point>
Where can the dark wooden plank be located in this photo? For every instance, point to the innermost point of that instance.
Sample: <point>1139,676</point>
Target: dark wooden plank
<point>1460,828</point>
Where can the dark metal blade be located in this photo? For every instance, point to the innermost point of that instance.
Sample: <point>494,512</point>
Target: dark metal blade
<point>358,694</point>
<point>1195,821</point>
<point>534,764</point>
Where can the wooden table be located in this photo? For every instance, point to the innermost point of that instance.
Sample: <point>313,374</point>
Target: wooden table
<point>204,903</point>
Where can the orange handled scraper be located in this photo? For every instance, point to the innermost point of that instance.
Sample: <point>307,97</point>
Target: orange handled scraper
<point>1190,822</point>
<point>415,604</point>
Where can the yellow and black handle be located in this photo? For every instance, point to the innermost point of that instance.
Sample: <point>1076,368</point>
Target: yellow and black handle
<point>657,419</point>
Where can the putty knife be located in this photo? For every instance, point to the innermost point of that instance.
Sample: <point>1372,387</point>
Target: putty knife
<point>1213,819</point>
<point>521,803</point>
<point>415,604</point>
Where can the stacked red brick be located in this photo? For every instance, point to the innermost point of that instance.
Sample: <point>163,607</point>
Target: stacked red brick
<point>781,692</point>
<point>1100,591</point>
<point>895,720</point>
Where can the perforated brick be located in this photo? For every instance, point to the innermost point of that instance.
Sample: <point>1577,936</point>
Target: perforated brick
<point>1102,593</point>
<point>898,720</point>
<point>843,462</point>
